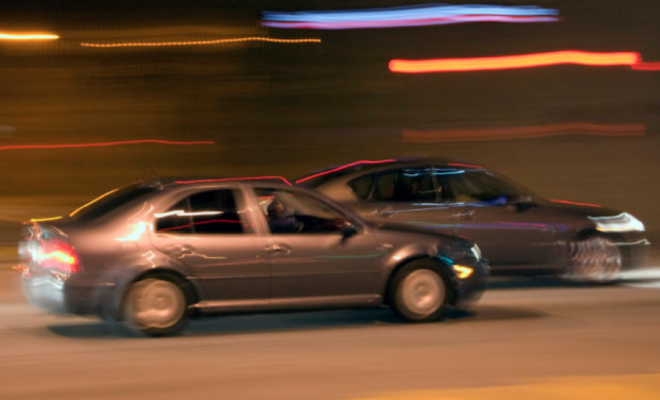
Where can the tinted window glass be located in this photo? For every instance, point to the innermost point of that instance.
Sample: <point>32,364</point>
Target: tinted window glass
<point>215,212</point>
<point>211,212</point>
<point>406,185</point>
<point>176,219</point>
<point>362,186</point>
<point>290,213</point>
<point>480,186</point>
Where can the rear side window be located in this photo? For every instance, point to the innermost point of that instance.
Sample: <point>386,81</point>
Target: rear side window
<point>362,186</point>
<point>210,212</point>
<point>406,185</point>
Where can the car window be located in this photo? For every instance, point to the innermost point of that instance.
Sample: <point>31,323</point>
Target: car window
<point>406,185</point>
<point>362,186</point>
<point>209,212</point>
<point>479,186</point>
<point>289,212</point>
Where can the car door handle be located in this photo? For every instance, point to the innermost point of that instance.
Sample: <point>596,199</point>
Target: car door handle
<point>277,248</point>
<point>384,212</point>
<point>469,214</point>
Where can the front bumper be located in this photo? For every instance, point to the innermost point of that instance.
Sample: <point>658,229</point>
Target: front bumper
<point>468,291</point>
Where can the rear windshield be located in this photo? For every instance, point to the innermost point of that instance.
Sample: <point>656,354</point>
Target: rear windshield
<point>110,201</point>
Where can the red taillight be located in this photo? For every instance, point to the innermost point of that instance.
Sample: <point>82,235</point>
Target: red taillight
<point>58,256</point>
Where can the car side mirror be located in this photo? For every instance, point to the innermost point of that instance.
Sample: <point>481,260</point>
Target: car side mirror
<point>348,230</point>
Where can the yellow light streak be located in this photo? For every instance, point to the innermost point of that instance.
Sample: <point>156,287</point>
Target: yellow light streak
<point>201,42</point>
<point>46,219</point>
<point>92,202</point>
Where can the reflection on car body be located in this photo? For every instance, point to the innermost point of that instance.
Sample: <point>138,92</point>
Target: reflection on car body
<point>157,253</point>
<point>518,231</point>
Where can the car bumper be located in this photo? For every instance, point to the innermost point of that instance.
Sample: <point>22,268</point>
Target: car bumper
<point>58,295</point>
<point>468,291</point>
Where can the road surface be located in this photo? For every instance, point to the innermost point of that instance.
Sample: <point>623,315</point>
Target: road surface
<point>529,339</point>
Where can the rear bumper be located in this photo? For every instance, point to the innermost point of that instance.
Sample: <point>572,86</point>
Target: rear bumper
<point>58,295</point>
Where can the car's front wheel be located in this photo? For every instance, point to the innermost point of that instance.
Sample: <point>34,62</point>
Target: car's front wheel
<point>594,259</point>
<point>419,292</point>
<point>156,306</point>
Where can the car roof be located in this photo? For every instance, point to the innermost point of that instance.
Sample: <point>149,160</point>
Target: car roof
<point>362,166</point>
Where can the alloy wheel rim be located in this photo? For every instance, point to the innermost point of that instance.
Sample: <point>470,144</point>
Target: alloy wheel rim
<point>423,292</point>
<point>157,304</point>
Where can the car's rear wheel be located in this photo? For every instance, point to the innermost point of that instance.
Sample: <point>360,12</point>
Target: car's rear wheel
<point>156,306</point>
<point>419,292</point>
<point>594,259</point>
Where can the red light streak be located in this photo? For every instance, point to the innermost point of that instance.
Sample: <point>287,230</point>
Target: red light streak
<point>574,203</point>
<point>103,144</point>
<point>251,178</point>
<point>465,165</point>
<point>524,132</point>
<point>516,61</point>
<point>344,167</point>
<point>199,223</point>
<point>647,66</point>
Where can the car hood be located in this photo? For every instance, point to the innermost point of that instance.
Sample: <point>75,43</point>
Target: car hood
<point>394,228</point>
<point>583,210</point>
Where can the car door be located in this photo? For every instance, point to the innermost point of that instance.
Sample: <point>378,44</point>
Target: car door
<point>511,233</point>
<point>312,262</point>
<point>212,231</point>
<point>410,195</point>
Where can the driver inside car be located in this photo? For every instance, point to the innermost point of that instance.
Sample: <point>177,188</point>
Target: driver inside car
<point>281,221</point>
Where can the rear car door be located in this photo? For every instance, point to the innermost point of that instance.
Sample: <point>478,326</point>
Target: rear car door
<point>410,195</point>
<point>311,260</point>
<point>212,231</point>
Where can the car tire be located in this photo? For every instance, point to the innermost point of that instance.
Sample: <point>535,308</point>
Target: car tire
<point>594,260</point>
<point>419,291</point>
<point>157,305</point>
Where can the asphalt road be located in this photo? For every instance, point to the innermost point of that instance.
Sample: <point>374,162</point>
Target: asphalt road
<point>528,339</point>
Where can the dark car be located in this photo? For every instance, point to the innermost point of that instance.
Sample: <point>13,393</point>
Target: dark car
<point>156,253</point>
<point>517,231</point>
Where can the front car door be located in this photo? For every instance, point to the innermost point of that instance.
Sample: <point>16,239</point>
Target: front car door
<point>212,231</point>
<point>511,230</point>
<point>312,263</point>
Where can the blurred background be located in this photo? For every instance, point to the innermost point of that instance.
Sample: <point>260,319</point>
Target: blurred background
<point>287,108</point>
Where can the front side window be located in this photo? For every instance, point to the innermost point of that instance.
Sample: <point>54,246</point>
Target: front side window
<point>289,212</point>
<point>406,185</point>
<point>209,212</point>
<point>480,186</point>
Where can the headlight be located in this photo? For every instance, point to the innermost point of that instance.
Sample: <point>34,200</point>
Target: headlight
<point>623,222</point>
<point>476,252</point>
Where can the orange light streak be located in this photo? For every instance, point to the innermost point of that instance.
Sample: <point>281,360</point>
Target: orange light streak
<point>28,36</point>
<point>103,144</point>
<point>462,271</point>
<point>523,132</point>
<point>574,203</point>
<point>202,42</point>
<point>513,62</point>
